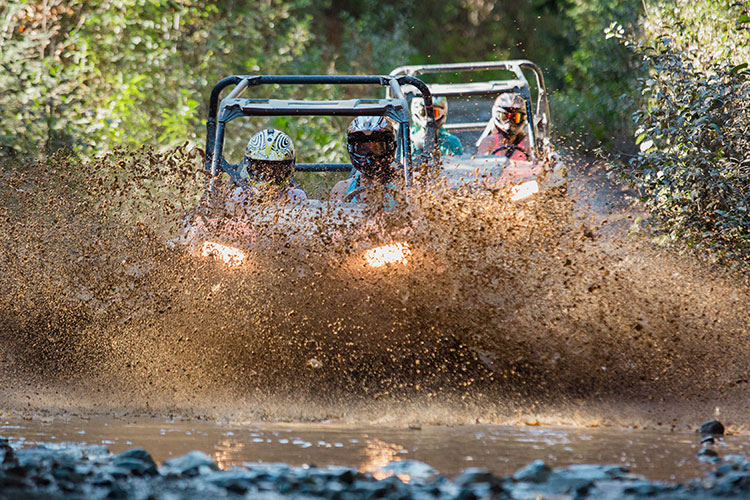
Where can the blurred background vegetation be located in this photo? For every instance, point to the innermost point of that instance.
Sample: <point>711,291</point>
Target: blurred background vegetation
<point>660,85</point>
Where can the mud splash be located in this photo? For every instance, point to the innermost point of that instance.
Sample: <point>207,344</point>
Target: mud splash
<point>504,312</point>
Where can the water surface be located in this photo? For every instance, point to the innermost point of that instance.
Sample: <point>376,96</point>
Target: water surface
<point>658,455</point>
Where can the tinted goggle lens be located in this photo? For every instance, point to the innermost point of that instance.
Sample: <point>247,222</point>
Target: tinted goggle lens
<point>513,116</point>
<point>438,112</point>
<point>371,147</point>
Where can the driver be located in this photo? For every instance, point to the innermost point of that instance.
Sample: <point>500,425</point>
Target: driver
<point>268,164</point>
<point>508,122</point>
<point>371,143</point>
<point>448,144</point>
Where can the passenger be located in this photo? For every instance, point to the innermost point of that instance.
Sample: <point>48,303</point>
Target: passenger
<point>448,144</point>
<point>371,143</point>
<point>507,136</point>
<point>268,164</point>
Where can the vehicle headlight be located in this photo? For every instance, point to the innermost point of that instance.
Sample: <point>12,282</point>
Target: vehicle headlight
<point>392,253</point>
<point>230,255</point>
<point>524,190</point>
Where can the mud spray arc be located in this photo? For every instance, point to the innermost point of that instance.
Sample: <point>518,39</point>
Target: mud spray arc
<point>499,312</point>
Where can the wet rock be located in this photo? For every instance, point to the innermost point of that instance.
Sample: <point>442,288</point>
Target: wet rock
<point>412,468</point>
<point>739,480</point>
<point>477,483</point>
<point>712,427</point>
<point>707,452</point>
<point>233,481</point>
<point>708,440</point>
<point>645,488</point>
<point>475,475</point>
<point>342,475</point>
<point>724,469</point>
<point>536,472</point>
<point>389,487</point>
<point>15,469</point>
<point>192,464</point>
<point>7,482</point>
<point>137,461</point>
<point>61,473</point>
<point>707,455</point>
<point>6,452</point>
<point>594,472</point>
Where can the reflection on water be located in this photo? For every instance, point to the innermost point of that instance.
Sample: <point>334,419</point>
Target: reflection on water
<point>501,449</point>
<point>379,454</point>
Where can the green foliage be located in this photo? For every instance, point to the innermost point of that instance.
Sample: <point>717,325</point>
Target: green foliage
<point>693,168</point>
<point>95,74</point>
<point>599,77</point>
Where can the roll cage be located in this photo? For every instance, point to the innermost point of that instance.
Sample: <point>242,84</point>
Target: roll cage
<point>539,137</point>
<point>232,106</point>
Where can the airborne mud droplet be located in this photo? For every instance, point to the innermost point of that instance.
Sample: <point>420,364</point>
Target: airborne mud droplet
<point>500,310</point>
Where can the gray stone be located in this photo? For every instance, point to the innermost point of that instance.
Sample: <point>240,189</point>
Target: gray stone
<point>412,468</point>
<point>192,464</point>
<point>708,440</point>
<point>475,475</point>
<point>707,452</point>
<point>137,461</point>
<point>536,472</point>
<point>6,452</point>
<point>343,475</point>
<point>234,481</point>
<point>724,469</point>
<point>712,427</point>
<point>644,488</point>
<point>739,480</point>
<point>594,472</point>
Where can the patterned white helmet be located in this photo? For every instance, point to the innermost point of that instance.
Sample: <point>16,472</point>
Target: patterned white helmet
<point>439,103</point>
<point>509,114</point>
<point>270,156</point>
<point>371,142</point>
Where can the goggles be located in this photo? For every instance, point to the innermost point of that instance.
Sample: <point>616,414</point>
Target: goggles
<point>512,116</point>
<point>439,112</point>
<point>371,147</point>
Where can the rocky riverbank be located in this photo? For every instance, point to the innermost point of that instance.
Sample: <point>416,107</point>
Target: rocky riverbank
<point>70,470</point>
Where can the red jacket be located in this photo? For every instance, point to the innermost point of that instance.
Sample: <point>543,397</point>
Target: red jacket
<point>499,140</point>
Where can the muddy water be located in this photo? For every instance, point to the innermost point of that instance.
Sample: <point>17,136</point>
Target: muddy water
<point>449,449</point>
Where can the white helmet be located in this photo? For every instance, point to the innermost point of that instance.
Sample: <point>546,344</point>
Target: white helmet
<point>270,156</point>
<point>509,114</point>
<point>439,103</point>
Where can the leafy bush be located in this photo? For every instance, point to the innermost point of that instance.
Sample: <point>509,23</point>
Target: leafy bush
<point>693,168</point>
<point>599,77</point>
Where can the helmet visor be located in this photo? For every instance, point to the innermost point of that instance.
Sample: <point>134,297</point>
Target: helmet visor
<point>512,115</point>
<point>367,148</point>
<point>437,111</point>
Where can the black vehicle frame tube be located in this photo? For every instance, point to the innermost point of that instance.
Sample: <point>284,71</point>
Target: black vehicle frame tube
<point>213,108</point>
<point>430,145</point>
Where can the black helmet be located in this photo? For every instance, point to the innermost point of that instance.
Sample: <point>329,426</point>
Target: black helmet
<point>371,142</point>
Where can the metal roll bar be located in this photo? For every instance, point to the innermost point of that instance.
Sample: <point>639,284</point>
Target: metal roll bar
<point>515,66</point>
<point>232,106</point>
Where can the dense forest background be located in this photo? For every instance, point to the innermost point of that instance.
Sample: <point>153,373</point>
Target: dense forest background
<point>661,86</point>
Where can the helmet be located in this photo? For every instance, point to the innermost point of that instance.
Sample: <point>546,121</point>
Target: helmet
<point>440,105</point>
<point>509,114</point>
<point>371,142</point>
<point>270,157</point>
